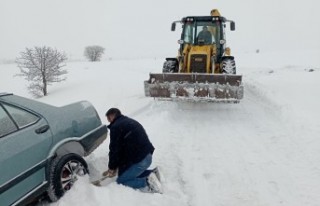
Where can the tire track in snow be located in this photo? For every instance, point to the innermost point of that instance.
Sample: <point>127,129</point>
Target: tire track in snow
<point>167,153</point>
<point>228,154</point>
<point>295,159</point>
<point>183,144</point>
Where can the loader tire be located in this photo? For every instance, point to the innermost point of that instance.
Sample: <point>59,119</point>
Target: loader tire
<point>170,66</point>
<point>228,66</point>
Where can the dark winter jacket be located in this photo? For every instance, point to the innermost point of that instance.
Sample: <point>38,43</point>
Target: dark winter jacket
<point>206,36</point>
<point>129,143</point>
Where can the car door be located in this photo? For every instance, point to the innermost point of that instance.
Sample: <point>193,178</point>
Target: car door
<point>25,140</point>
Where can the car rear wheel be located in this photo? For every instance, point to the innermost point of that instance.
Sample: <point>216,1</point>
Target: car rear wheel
<point>64,173</point>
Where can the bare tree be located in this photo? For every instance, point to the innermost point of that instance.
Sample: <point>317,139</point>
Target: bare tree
<point>93,53</point>
<point>41,66</point>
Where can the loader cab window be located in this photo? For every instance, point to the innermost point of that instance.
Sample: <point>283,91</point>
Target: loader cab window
<point>188,33</point>
<point>202,33</point>
<point>204,36</point>
<point>207,33</point>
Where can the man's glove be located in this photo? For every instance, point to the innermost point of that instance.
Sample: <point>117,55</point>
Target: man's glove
<point>109,173</point>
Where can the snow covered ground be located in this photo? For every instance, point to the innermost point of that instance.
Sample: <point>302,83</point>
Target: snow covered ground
<point>264,151</point>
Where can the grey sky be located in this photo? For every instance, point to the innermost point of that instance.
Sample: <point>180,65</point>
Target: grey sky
<point>141,28</point>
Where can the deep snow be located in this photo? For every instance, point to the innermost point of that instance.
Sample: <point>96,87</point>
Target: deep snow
<point>263,151</point>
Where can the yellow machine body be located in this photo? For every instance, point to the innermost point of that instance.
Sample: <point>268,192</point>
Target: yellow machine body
<point>204,69</point>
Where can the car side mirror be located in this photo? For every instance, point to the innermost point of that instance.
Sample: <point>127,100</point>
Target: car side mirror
<point>232,26</point>
<point>173,26</point>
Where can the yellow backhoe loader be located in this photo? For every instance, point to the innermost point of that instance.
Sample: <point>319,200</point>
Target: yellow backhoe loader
<point>204,68</point>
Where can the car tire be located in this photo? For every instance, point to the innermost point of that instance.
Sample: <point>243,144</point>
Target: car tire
<point>64,172</point>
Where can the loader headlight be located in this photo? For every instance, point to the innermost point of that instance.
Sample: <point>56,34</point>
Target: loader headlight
<point>189,19</point>
<point>180,41</point>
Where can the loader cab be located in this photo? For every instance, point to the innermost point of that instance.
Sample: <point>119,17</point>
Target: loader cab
<point>193,30</point>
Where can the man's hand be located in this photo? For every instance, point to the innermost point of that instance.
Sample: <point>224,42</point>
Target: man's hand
<point>109,173</point>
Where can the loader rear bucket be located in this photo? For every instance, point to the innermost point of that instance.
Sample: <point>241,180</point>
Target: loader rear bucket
<point>195,86</point>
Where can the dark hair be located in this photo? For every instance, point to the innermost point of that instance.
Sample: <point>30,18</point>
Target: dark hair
<point>113,111</point>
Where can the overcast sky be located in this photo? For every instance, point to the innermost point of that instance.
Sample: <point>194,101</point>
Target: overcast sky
<point>141,28</point>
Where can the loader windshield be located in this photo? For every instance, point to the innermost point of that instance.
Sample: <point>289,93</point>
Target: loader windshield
<point>202,32</point>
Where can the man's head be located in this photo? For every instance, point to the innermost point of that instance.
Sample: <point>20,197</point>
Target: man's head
<point>205,28</point>
<point>112,113</point>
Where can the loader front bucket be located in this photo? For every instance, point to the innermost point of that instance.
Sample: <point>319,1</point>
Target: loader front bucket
<point>195,86</point>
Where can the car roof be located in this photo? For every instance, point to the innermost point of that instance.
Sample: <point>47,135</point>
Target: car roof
<point>5,94</point>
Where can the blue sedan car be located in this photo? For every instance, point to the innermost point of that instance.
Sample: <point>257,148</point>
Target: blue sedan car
<point>42,147</point>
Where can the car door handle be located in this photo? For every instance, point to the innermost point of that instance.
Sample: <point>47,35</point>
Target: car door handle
<point>42,129</point>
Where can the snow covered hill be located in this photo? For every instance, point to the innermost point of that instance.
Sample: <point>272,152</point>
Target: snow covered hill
<point>264,151</point>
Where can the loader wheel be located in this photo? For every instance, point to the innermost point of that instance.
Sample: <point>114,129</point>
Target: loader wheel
<point>170,66</point>
<point>228,66</point>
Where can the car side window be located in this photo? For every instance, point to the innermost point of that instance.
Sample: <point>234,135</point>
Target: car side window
<point>21,117</point>
<point>6,124</point>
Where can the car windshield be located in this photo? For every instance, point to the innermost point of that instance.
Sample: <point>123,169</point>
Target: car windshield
<point>201,32</point>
